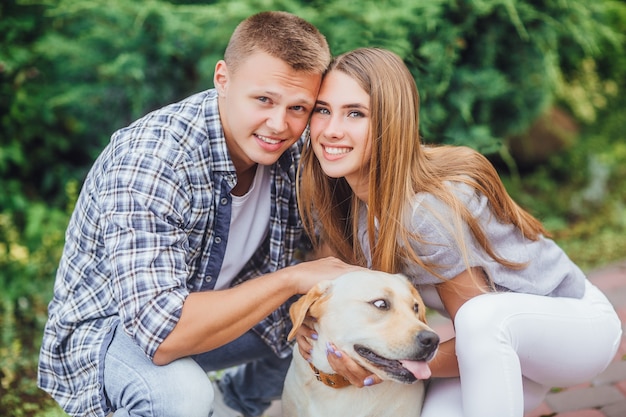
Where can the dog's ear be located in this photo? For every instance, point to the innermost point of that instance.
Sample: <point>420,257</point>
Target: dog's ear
<point>422,307</point>
<point>418,297</point>
<point>300,308</point>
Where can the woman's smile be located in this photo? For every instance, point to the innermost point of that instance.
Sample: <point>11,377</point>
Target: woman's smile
<point>340,126</point>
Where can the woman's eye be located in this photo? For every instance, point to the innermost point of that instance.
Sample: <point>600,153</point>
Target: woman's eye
<point>355,114</point>
<point>321,110</point>
<point>381,304</point>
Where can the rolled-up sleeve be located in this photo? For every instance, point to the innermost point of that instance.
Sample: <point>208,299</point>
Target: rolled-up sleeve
<point>145,208</point>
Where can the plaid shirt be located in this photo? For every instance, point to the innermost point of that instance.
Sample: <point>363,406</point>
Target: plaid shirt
<point>144,234</point>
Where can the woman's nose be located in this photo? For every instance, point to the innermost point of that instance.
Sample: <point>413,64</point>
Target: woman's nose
<point>333,129</point>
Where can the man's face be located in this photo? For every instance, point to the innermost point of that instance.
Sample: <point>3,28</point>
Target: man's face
<point>264,107</point>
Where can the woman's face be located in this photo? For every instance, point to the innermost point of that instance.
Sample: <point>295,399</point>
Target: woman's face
<point>340,130</point>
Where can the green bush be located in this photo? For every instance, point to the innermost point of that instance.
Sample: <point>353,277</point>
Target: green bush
<point>72,72</point>
<point>28,260</point>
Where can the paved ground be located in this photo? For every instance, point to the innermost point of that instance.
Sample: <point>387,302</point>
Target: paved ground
<point>604,396</point>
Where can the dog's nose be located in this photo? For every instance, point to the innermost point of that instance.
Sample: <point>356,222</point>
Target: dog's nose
<point>427,340</point>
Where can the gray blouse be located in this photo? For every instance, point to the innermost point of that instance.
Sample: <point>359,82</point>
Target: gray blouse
<point>548,272</point>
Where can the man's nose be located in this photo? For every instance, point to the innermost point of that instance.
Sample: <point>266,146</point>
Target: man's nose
<point>277,121</point>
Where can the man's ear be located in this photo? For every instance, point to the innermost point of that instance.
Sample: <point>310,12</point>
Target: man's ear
<point>221,77</point>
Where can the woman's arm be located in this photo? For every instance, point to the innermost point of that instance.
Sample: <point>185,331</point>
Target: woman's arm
<point>454,293</point>
<point>465,286</point>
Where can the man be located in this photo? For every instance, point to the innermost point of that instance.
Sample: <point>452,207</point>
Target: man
<point>177,216</point>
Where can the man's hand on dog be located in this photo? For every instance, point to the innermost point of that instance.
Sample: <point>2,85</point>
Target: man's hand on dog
<point>305,275</point>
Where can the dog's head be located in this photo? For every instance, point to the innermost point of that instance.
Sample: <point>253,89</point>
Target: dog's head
<point>378,319</point>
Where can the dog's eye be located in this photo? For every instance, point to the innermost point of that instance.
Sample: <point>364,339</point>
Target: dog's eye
<point>381,304</point>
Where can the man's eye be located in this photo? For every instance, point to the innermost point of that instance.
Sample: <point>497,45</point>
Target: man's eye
<point>381,304</point>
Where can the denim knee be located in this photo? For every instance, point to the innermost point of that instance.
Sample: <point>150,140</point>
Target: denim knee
<point>179,389</point>
<point>188,392</point>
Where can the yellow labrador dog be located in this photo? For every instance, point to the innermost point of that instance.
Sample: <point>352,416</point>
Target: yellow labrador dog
<point>378,319</point>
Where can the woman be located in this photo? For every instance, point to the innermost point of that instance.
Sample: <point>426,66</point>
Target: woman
<point>526,318</point>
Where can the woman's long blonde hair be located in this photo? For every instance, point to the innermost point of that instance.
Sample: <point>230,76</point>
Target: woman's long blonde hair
<point>400,167</point>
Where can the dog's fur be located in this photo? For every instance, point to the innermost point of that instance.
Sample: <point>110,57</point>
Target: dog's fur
<point>378,320</point>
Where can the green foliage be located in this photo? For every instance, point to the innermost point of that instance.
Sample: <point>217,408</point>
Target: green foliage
<point>595,82</point>
<point>28,259</point>
<point>486,69</point>
<point>73,71</point>
<point>91,68</point>
<point>20,26</point>
<point>580,195</point>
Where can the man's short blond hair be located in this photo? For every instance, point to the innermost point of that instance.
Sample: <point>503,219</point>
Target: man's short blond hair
<point>282,35</point>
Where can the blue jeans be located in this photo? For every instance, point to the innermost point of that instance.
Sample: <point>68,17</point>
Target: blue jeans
<point>134,386</point>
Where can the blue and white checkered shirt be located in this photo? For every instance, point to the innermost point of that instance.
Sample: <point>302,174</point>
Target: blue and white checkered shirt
<point>143,236</point>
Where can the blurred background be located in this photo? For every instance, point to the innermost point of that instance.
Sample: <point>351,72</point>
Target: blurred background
<point>537,86</point>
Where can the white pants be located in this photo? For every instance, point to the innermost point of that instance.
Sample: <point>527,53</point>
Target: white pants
<point>512,348</point>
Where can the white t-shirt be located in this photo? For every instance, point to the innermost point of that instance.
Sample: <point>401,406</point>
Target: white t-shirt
<point>249,223</point>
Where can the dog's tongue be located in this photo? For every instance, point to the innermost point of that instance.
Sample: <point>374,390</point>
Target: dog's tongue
<point>419,369</point>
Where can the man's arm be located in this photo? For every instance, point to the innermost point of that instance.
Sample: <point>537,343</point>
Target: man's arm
<point>211,319</point>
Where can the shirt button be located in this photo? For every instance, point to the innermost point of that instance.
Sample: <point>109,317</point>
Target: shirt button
<point>218,239</point>
<point>224,201</point>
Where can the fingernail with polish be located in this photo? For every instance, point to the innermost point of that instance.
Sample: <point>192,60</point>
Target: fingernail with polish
<point>329,348</point>
<point>314,336</point>
<point>338,354</point>
<point>368,381</point>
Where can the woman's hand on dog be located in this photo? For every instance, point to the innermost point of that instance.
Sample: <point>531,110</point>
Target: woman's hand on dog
<point>349,369</point>
<point>340,362</point>
<point>303,336</point>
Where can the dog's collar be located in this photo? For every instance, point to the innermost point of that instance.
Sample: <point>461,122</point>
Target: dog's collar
<point>330,380</point>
